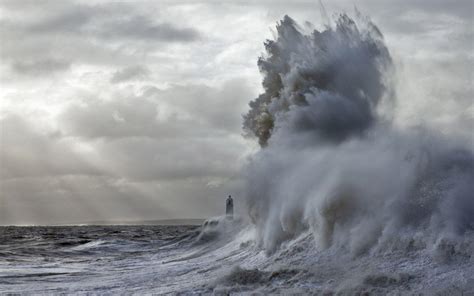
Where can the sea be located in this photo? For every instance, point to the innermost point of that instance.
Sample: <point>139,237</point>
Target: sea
<point>219,257</point>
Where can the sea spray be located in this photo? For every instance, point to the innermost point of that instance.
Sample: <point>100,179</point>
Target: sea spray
<point>331,160</point>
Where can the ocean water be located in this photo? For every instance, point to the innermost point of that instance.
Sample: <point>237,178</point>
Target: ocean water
<point>221,257</point>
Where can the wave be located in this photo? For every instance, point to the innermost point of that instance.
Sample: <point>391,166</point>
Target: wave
<point>332,160</point>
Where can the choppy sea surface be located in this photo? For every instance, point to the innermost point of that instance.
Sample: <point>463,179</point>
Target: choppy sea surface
<point>220,257</point>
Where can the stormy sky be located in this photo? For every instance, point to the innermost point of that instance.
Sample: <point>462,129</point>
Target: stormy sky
<point>132,110</point>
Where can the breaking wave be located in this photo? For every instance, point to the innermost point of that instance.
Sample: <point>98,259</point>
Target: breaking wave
<point>333,161</point>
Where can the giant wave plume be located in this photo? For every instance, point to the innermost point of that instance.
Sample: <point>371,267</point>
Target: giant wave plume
<point>333,161</point>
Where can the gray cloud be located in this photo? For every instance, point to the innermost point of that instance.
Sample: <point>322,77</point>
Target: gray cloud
<point>72,20</point>
<point>458,8</point>
<point>111,21</point>
<point>113,33</point>
<point>38,67</point>
<point>145,159</point>
<point>126,156</point>
<point>141,28</point>
<point>53,177</point>
<point>29,153</point>
<point>156,135</point>
<point>181,111</point>
<point>130,73</point>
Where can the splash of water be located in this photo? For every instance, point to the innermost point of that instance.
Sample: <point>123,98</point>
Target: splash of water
<point>331,160</point>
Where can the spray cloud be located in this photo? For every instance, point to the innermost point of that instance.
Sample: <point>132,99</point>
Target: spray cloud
<point>331,159</point>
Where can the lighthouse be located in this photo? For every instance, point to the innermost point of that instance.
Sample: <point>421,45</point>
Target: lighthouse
<point>229,207</point>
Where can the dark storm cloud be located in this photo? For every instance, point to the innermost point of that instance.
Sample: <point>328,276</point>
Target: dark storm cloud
<point>130,73</point>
